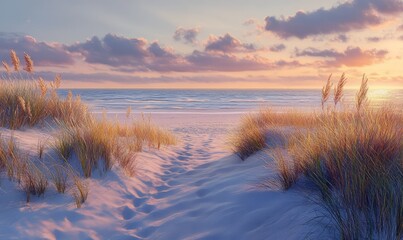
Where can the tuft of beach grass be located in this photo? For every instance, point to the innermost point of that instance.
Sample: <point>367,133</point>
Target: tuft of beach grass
<point>95,144</point>
<point>353,158</point>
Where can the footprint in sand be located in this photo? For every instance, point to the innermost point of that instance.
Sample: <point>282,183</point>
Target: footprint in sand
<point>202,192</point>
<point>160,195</point>
<point>173,183</point>
<point>200,182</point>
<point>181,158</point>
<point>132,225</point>
<point>147,208</point>
<point>127,213</point>
<point>146,232</point>
<point>139,201</point>
<point>162,188</point>
<point>188,147</point>
<point>177,170</point>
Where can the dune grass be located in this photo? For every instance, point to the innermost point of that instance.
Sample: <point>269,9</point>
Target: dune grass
<point>18,167</point>
<point>102,143</point>
<point>250,136</point>
<point>26,101</point>
<point>353,157</point>
<point>357,166</point>
<point>82,138</point>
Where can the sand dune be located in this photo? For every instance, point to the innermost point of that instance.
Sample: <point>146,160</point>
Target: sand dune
<point>195,190</point>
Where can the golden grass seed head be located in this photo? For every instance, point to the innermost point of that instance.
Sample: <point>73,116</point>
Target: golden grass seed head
<point>21,103</point>
<point>6,67</point>
<point>29,64</point>
<point>15,60</point>
<point>57,81</point>
<point>42,86</point>
<point>326,91</point>
<point>339,88</point>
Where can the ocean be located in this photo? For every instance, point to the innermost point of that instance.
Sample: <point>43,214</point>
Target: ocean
<point>217,101</point>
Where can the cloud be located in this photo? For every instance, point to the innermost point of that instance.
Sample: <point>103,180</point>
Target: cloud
<point>278,48</point>
<point>42,53</point>
<point>401,38</point>
<point>128,55</point>
<point>400,28</point>
<point>374,39</point>
<point>226,44</point>
<point>136,54</point>
<point>341,38</point>
<point>347,16</point>
<point>188,35</point>
<point>313,52</point>
<point>257,23</point>
<point>112,50</point>
<point>250,21</point>
<point>117,51</point>
<point>224,62</point>
<point>351,57</point>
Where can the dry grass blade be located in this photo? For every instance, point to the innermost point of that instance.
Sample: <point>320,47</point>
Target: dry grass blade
<point>56,82</point>
<point>15,60</point>
<point>326,91</point>
<point>80,194</point>
<point>249,138</point>
<point>40,148</point>
<point>29,64</point>
<point>361,97</point>
<point>59,176</point>
<point>338,90</point>
<point>42,86</point>
<point>286,173</point>
<point>127,160</point>
<point>21,103</point>
<point>6,67</point>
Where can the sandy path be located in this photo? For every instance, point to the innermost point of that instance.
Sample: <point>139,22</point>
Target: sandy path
<point>205,192</point>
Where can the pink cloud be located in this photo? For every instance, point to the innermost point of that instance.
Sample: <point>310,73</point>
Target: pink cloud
<point>43,53</point>
<point>351,57</point>
<point>227,44</point>
<point>188,35</point>
<point>347,16</point>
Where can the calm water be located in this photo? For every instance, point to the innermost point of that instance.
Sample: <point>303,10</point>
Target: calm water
<point>215,101</point>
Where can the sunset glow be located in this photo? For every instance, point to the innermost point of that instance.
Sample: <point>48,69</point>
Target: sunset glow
<point>208,119</point>
<point>180,44</point>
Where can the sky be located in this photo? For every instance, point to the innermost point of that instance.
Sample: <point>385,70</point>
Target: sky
<point>207,44</point>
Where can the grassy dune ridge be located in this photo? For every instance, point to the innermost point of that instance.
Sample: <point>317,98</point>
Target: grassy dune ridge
<point>354,157</point>
<point>83,143</point>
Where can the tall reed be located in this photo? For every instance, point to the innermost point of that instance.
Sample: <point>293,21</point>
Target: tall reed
<point>338,89</point>
<point>326,91</point>
<point>361,97</point>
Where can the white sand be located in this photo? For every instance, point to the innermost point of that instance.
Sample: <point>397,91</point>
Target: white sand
<point>195,190</point>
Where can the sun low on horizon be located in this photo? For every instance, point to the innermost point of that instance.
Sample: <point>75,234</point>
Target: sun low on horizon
<point>208,44</point>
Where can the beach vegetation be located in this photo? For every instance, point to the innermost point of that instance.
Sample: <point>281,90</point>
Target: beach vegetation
<point>82,142</point>
<point>352,156</point>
